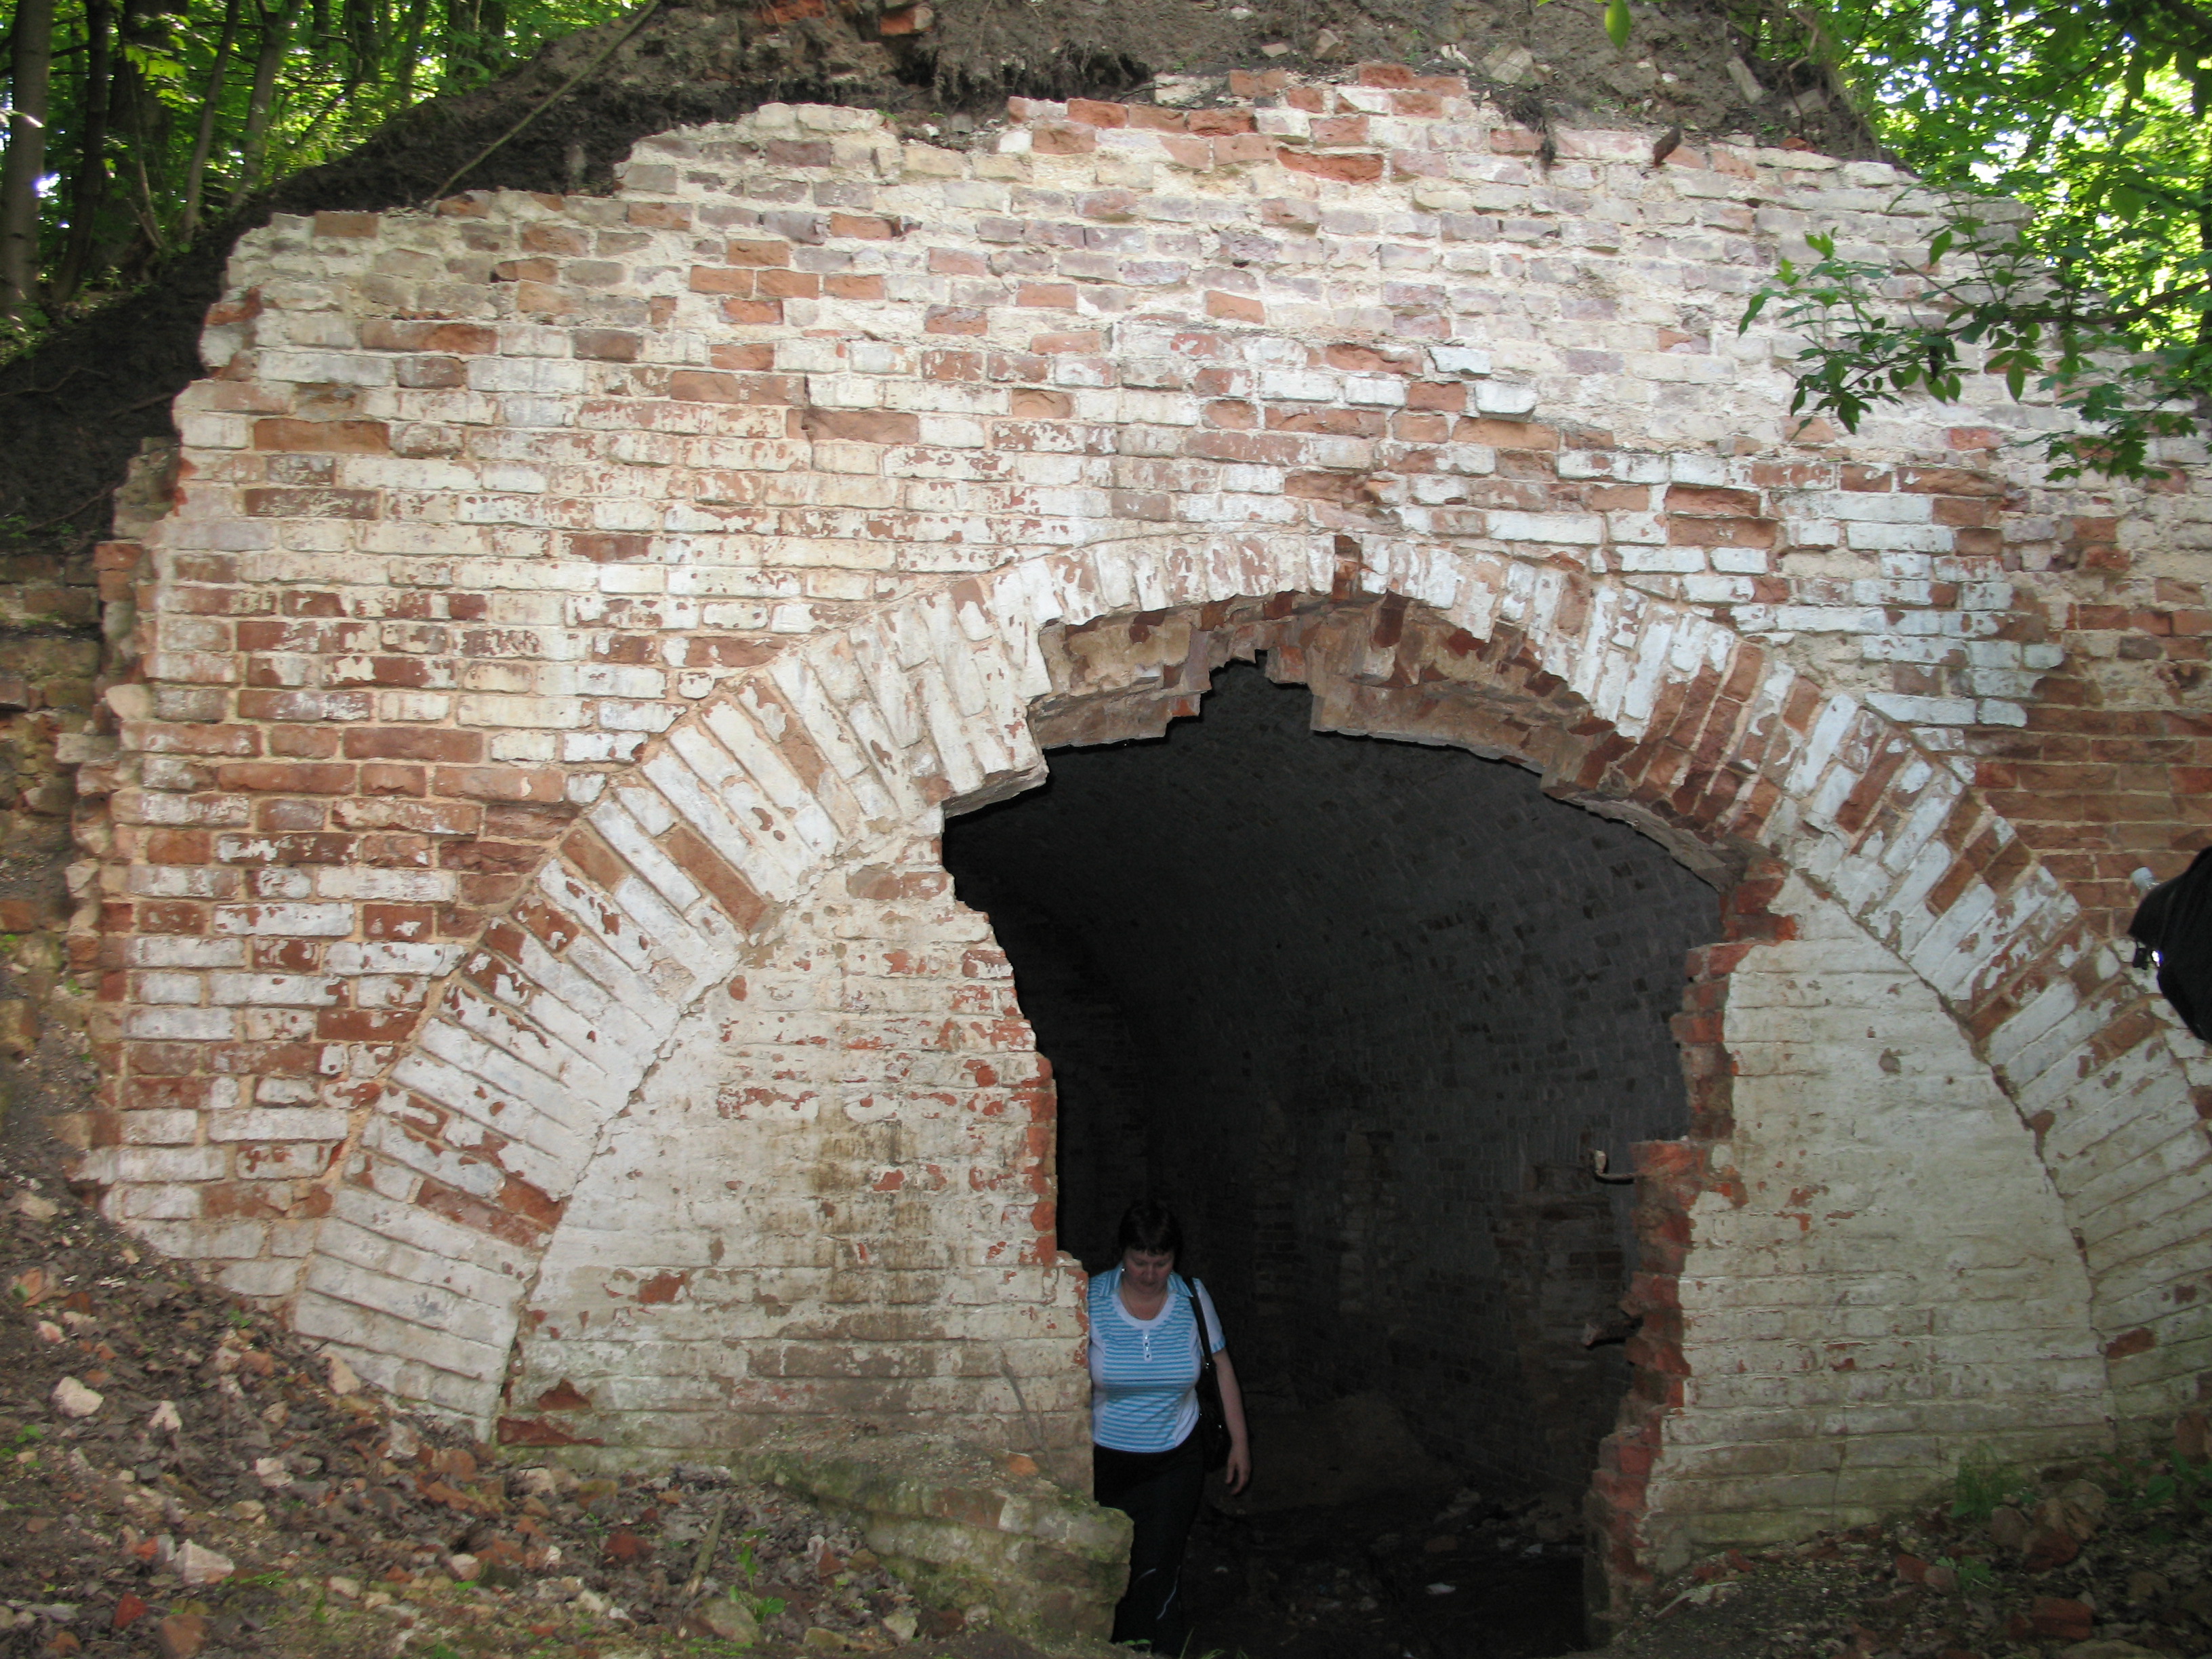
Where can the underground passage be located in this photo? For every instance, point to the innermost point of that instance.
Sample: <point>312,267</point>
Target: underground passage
<point>1363,1011</point>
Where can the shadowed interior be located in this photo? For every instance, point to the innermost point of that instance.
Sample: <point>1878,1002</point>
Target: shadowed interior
<point>1362,1009</point>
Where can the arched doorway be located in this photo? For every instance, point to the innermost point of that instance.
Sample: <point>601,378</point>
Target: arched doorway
<point>1364,1011</point>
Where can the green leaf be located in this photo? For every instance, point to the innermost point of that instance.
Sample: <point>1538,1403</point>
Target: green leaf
<point>1617,23</point>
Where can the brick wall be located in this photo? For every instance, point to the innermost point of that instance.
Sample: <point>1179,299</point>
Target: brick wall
<point>1880,1277</point>
<point>564,602</point>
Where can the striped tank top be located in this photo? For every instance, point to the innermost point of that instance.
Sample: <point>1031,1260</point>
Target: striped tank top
<point>1144,1372</point>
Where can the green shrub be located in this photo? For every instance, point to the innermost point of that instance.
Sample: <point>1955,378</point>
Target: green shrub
<point>1984,1482</point>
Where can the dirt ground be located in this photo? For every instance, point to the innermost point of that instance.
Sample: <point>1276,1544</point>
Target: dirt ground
<point>74,410</point>
<point>179,1475</point>
<point>2102,1560</point>
<point>1445,1572</point>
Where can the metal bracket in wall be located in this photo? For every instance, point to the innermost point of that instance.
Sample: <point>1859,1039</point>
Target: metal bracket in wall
<point>1598,1168</point>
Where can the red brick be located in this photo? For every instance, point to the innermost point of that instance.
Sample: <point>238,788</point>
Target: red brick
<point>865,425</point>
<point>458,339</point>
<point>603,547</point>
<point>1060,138</point>
<point>722,279</point>
<point>1248,83</point>
<point>342,437</point>
<point>286,777</point>
<point>728,888</point>
<point>1721,532</point>
<point>497,857</point>
<point>611,345</point>
<point>755,253</point>
<point>246,847</point>
<point>798,153</point>
<point>1700,499</point>
<point>414,743</point>
<point>501,782</point>
<point>705,386</point>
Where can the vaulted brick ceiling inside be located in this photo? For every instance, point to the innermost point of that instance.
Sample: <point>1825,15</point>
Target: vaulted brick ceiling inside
<point>1361,1009</point>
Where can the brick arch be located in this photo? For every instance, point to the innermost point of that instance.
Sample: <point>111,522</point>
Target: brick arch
<point>454,415</point>
<point>843,746</point>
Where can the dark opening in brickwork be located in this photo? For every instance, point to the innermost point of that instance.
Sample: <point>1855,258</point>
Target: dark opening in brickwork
<point>1361,1009</point>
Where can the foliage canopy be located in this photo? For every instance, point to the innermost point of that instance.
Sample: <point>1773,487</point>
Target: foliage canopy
<point>154,116</point>
<point>2095,118</point>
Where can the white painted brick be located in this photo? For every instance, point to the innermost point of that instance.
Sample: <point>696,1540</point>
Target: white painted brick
<point>1577,529</point>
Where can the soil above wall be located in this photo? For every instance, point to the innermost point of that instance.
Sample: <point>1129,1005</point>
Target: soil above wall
<point>77,408</point>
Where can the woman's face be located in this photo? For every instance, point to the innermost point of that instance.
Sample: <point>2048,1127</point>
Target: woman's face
<point>1147,1270</point>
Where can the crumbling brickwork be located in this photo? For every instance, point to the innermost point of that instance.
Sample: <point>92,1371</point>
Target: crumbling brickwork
<point>576,616</point>
<point>1879,1218</point>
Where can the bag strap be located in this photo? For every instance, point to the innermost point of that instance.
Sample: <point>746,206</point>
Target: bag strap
<point>1198,1318</point>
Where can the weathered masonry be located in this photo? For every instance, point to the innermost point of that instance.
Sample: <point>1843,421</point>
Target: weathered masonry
<point>513,876</point>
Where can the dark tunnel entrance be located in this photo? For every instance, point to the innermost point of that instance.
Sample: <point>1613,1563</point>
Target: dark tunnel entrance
<point>1361,1009</point>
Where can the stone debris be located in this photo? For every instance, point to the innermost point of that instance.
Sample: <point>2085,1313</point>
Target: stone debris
<point>2111,1560</point>
<point>182,1635</point>
<point>197,1564</point>
<point>1427,1571</point>
<point>28,1203</point>
<point>226,1488</point>
<point>72,1399</point>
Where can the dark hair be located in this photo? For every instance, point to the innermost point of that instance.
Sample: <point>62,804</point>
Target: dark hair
<point>1148,1225</point>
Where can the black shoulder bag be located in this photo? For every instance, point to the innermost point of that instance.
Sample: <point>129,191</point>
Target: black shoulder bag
<point>2172,930</point>
<point>1212,1418</point>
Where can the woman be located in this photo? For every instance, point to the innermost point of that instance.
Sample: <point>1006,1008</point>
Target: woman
<point>1145,1460</point>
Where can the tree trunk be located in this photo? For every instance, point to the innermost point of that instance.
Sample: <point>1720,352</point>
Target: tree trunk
<point>275,27</point>
<point>360,21</point>
<point>140,118</point>
<point>475,30</point>
<point>31,69</point>
<point>88,189</point>
<point>418,17</point>
<point>203,141</point>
